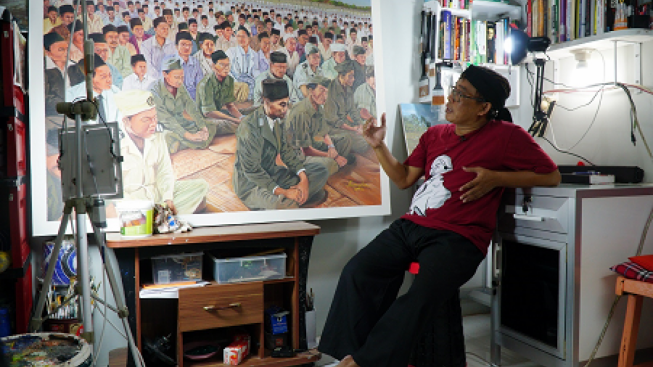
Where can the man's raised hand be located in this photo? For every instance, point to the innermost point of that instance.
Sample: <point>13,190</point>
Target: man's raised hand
<point>373,134</point>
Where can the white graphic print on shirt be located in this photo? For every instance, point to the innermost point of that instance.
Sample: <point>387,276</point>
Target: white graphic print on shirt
<point>432,194</point>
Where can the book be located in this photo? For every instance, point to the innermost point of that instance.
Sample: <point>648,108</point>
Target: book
<point>588,13</point>
<point>498,44</point>
<point>529,18</point>
<point>446,19</point>
<point>490,44</point>
<point>553,21</point>
<point>456,37</point>
<point>542,18</point>
<point>592,18</point>
<point>481,41</point>
<point>571,19</point>
<point>473,45</point>
<point>535,11</point>
<point>600,16</point>
<point>581,17</point>
<point>562,21</point>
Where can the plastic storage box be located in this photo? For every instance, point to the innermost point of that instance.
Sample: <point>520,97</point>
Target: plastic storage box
<point>177,268</point>
<point>249,268</point>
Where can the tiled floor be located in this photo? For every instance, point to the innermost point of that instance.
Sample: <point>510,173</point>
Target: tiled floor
<point>477,344</point>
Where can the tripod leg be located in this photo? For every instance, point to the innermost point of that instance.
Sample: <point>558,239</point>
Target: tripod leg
<point>83,271</point>
<point>37,318</point>
<point>111,264</point>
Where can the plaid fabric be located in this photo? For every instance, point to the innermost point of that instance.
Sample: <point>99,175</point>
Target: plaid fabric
<point>633,271</point>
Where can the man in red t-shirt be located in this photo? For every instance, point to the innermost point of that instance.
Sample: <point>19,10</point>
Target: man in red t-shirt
<point>447,229</point>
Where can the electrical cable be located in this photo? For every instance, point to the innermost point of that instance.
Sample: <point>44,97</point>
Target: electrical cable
<point>567,152</point>
<point>530,82</point>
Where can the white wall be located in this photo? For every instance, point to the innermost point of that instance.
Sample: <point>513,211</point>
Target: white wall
<point>339,240</point>
<point>608,141</point>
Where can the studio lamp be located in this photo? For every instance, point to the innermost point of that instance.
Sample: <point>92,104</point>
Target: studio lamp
<point>518,45</point>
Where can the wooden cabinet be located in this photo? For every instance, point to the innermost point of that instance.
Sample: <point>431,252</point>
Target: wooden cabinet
<point>215,310</point>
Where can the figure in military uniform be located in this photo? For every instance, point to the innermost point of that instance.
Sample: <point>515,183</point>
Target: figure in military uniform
<point>340,111</point>
<point>365,95</point>
<point>278,68</point>
<point>307,70</point>
<point>258,181</point>
<point>216,92</point>
<point>172,104</point>
<point>147,172</point>
<point>308,131</point>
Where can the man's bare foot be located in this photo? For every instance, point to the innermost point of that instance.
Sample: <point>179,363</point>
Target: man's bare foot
<point>348,361</point>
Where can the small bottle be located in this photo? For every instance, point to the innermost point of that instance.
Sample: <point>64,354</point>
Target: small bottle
<point>437,96</point>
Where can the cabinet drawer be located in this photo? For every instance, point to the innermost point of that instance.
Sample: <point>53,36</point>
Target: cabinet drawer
<point>218,306</point>
<point>545,213</point>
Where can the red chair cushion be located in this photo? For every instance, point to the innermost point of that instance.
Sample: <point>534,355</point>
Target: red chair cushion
<point>645,261</point>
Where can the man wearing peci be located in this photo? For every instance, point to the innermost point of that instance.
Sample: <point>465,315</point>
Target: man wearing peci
<point>447,229</point>
<point>278,67</point>
<point>258,181</point>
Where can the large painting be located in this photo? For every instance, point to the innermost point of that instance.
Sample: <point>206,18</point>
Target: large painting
<point>230,111</point>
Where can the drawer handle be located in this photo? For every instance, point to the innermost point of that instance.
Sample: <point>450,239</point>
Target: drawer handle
<point>214,308</point>
<point>528,217</point>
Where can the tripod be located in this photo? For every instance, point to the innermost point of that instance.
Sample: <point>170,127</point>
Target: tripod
<point>94,208</point>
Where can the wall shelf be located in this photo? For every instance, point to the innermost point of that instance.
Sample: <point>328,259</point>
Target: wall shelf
<point>483,10</point>
<point>601,42</point>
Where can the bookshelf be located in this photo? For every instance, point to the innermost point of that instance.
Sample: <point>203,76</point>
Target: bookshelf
<point>479,10</point>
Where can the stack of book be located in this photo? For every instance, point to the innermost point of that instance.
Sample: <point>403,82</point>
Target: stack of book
<point>567,20</point>
<point>473,41</point>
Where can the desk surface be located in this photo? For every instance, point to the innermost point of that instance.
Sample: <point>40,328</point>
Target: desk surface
<point>218,234</point>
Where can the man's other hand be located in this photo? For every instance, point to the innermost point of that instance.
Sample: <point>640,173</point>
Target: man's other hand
<point>483,183</point>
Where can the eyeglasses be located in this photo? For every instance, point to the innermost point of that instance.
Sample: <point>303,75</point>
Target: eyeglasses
<point>456,95</point>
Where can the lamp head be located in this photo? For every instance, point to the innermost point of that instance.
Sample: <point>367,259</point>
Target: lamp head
<point>519,44</point>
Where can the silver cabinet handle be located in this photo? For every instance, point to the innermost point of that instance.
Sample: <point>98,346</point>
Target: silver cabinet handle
<point>496,267</point>
<point>531,218</point>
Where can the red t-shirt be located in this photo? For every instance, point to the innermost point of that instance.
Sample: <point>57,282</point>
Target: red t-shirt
<point>498,146</point>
